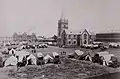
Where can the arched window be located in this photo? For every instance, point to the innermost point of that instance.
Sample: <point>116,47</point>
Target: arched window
<point>74,42</point>
<point>69,42</point>
<point>69,36</point>
<point>74,36</point>
<point>85,42</point>
<point>85,36</point>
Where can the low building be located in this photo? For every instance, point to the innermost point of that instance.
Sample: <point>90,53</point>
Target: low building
<point>24,37</point>
<point>108,37</point>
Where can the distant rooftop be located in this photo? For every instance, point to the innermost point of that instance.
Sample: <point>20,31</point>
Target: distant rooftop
<point>110,31</point>
<point>79,32</point>
<point>21,33</point>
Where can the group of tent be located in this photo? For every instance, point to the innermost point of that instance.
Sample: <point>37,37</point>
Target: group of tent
<point>102,58</point>
<point>31,59</point>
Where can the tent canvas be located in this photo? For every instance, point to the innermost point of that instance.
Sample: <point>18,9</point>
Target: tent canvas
<point>108,57</point>
<point>40,55</point>
<point>55,54</point>
<point>88,57</point>
<point>12,51</point>
<point>78,52</point>
<point>47,58</point>
<point>33,58</point>
<point>12,60</point>
<point>22,47</point>
<point>20,58</point>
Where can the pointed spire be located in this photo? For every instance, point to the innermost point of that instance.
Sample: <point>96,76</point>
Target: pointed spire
<point>62,13</point>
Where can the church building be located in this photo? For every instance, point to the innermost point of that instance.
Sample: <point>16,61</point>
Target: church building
<point>67,38</point>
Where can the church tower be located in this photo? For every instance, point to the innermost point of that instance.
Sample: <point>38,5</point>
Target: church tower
<point>62,27</point>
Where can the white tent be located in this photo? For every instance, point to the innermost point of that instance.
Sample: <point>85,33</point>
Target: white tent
<point>12,51</point>
<point>88,57</point>
<point>47,58</point>
<point>33,58</point>
<point>22,47</point>
<point>108,57</point>
<point>103,53</point>
<point>11,61</point>
<point>78,52</point>
<point>21,54</point>
<point>55,54</point>
<point>40,55</point>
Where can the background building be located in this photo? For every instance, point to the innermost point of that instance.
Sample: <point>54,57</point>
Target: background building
<point>108,37</point>
<point>71,38</point>
<point>24,37</point>
<point>6,39</point>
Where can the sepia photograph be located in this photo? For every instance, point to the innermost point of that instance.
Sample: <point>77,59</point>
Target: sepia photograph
<point>59,39</point>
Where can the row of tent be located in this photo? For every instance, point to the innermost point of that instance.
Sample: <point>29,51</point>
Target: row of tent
<point>103,58</point>
<point>7,50</point>
<point>13,60</point>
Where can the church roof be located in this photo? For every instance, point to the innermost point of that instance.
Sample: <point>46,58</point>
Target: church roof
<point>90,32</point>
<point>78,32</point>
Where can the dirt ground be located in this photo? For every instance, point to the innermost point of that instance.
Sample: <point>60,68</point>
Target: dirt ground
<point>69,69</point>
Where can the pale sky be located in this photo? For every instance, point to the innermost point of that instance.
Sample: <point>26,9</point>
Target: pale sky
<point>42,15</point>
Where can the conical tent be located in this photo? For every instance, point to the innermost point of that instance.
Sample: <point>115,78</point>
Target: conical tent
<point>22,47</point>
<point>88,57</point>
<point>33,58</point>
<point>11,61</point>
<point>12,51</point>
<point>48,58</point>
